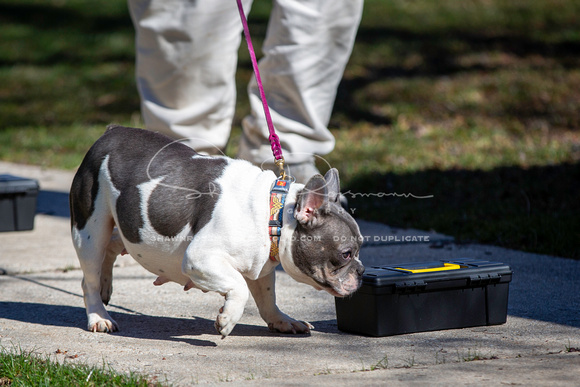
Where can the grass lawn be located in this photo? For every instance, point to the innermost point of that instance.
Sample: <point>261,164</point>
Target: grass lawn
<point>474,102</point>
<point>25,369</point>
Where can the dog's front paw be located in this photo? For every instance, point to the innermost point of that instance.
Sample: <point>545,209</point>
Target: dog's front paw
<point>225,322</point>
<point>224,325</point>
<point>286,324</point>
<point>99,324</point>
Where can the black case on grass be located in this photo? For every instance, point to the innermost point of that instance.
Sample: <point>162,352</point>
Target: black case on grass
<point>418,297</point>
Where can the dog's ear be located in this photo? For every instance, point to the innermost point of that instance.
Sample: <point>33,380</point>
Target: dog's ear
<point>332,184</point>
<point>312,197</point>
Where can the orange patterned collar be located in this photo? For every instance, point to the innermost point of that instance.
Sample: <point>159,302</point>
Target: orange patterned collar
<point>277,200</point>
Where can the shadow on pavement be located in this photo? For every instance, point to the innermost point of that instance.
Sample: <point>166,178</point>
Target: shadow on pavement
<point>53,203</point>
<point>137,326</point>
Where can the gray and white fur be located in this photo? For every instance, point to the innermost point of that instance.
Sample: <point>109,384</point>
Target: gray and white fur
<point>203,222</point>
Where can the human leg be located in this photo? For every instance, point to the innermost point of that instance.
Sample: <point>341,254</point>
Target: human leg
<point>186,63</point>
<point>307,47</point>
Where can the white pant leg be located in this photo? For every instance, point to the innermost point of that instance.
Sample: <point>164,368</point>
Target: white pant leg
<point>307,47</point>
<point>186,63</point>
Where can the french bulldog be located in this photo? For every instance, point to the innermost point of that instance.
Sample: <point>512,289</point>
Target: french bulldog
<point>203,222</point>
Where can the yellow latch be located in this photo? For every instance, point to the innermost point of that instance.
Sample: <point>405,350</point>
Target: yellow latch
<point>446,266</point>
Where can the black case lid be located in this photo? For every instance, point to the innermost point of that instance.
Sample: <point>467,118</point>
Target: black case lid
<point>418,276</point>
<point>13,184</point>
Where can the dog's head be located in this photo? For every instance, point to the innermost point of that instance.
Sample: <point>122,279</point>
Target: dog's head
<point>326,240</point>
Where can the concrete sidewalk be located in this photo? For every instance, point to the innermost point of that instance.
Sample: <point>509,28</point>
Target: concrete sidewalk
<point>168,333</point>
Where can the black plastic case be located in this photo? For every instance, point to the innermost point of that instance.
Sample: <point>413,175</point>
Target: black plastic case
<point>418,297</point>
<point>17,203</point>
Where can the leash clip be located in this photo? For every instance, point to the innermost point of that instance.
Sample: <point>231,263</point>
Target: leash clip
<point>280,163</point>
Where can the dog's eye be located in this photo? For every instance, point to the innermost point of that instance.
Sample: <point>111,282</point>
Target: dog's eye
<point>346,254</point>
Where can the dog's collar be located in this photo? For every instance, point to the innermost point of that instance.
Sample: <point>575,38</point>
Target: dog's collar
<point>277,199</point>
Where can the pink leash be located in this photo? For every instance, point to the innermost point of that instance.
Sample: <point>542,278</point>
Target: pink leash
<point>274,140</point>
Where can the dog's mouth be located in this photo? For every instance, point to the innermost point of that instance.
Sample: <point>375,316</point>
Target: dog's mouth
<point>334,293</point>
<point>346,288</point>
<point>344,282</point>
<point>339,281</point>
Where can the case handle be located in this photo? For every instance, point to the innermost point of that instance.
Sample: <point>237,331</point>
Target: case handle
<point>445,267</point>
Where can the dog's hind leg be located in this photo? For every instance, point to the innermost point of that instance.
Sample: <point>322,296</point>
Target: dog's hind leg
<point>114,248</point>
<point>92,244</point>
